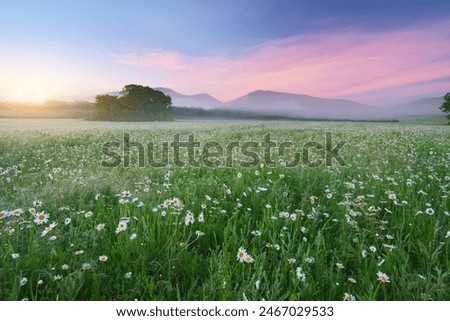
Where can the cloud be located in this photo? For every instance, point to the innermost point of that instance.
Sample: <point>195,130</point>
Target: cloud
<point>343,64</point>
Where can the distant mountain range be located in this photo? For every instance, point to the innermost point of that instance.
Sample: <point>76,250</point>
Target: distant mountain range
<point>272,103</point>
<point>201,100</point>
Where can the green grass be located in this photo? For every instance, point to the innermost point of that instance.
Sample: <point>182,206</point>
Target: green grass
<point>377,205</point>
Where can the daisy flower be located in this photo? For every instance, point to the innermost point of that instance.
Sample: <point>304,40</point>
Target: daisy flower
<point>100,226</point>
<point>189,219</point>
<point>102,258</point>
<point>128,275</point>
<point>249,259</point>
<point>166,203</point>
<point>292,260</point>
<point>176,202</point>
<point>41,218</point>
<point>241,254</point>
<point>15,256</point>
<point>67,221</point>
<point>122,226</point>
<point>348,297</point>
<point>86,266</point>
<point>383,277</point>
<point>256,233</point>
<point>429,211</point>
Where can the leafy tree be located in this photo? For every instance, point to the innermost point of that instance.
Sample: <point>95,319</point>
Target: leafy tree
<point>134,102</point>
<point>446,105</point>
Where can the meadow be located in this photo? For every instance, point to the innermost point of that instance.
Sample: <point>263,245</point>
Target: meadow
<point>375,229</point>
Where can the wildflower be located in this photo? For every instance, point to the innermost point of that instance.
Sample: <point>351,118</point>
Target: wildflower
<point>199,233</point>
<point>133,236</point>
<point>86,266</point>
<point>268,206</point>
<point>373,249</point>
<point>392,196</point>
<point>300,275</point>
<point>167,203</point>
<point>65,266</point>
<point>249,259</point>
<point>239,175</point>
<point>3,214</point>
<point>292,261</point>
<point>241,254</point>
<point>57,277</point>
<point>340,265</point>
<point>429,211</point>
<point>15,256</point>
<point>23,281</point>
<point>88,214</point>
<point>102,258</point>
<point>100,226</point>
<point>189,219</point>
<point>67,221</point>
<point>383,277</point>
<point>352,280</point>
<point>257,284</point>
<point>183,244</point>
<point>348,297</point>
<point>276,247</point>
<point>309,260</point>
<point>79,252</point>
<point>176,202</point>
<point>256,233</point>
<point>40,282</point>
<point>52,238</point>
<point>201,218</point>
<point>313,199</point>
<point>128,275</point>
<point>122,226</point>
<point>41,218</point>
<point>48,229</point>
<point>37,203</point>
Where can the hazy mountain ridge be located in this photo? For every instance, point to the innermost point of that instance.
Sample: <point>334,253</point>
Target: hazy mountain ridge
<point>199,100</point>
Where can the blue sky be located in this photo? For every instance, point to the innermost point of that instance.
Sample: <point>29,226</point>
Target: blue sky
<point>77,48</point>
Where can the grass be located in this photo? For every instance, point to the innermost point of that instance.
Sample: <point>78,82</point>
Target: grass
<point>314,233</point>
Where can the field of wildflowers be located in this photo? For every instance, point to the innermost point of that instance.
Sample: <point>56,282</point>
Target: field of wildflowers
<point>375,229</point>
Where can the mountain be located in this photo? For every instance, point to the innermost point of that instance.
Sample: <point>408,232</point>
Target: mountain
<point>301,106</point>
<point>201,100</point>
<point>423,107</point>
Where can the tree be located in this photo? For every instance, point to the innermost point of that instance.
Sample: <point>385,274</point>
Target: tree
<point>134,102</point>
<point>446,105</point>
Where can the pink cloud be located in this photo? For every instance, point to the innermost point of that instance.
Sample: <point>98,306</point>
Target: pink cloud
<point>342,64</point>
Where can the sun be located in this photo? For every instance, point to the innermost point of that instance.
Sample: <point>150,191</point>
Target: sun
<point>30,95</point>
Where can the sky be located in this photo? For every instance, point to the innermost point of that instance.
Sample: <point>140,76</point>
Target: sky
<point>374,52</point>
